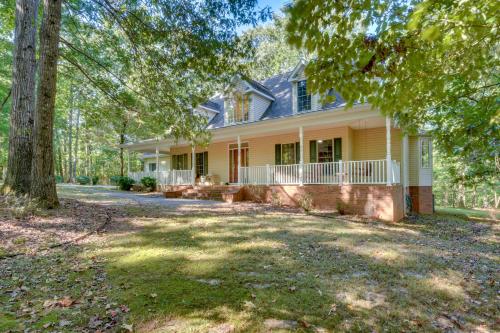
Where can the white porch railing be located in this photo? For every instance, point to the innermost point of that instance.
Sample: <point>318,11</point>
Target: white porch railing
<point>344,172</point>
<point>170,177</point>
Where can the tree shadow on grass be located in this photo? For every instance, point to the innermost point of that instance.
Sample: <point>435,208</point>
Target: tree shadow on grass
<point>206,268</point>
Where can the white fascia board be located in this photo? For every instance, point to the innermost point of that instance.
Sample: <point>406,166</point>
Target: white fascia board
<point>208,109</point>
<point>299,66</point>
<point>255,91</point>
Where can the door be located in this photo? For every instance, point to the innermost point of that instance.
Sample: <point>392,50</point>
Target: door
<point>233,161</point>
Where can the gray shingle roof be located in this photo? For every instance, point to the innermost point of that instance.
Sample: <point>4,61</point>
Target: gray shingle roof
<point>278,87</point>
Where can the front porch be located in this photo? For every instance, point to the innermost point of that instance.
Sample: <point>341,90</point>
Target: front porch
<point>327,173</point>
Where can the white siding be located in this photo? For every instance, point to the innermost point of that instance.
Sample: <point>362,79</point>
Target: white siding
<point>258,106</point>
<point>164,163</point>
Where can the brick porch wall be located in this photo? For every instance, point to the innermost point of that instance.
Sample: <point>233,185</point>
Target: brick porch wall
<point>379,201</point>
<point>421,199</point>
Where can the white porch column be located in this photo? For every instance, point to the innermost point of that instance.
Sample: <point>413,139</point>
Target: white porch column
<point>193,165</point>
<point>388,149</point>
<point>239,160</point>
<point>301,160</point>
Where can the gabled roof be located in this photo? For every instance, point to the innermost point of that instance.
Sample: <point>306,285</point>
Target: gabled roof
<point>211,105</point>
<point>280,88</point>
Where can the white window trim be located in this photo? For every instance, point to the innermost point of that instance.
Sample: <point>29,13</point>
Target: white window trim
<point>420,146</point>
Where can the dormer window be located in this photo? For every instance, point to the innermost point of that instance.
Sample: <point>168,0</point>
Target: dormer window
<point>240,108</point>
<point>303,98</point>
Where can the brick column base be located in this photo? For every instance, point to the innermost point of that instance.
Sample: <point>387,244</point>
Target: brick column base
<point>421,199</point>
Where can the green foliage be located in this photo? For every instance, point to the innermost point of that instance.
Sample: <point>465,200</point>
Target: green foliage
<point>272,54</point>
<point>149,182</point>
<point>114,180</point>
<point>424,62</point>
<point>59,180</point>
<point>125,183</point>
<point>83,180</point>
<point>95,180</point>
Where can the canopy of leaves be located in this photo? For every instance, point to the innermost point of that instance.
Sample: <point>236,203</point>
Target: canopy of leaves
<point>424,62</point>
<point>272,54</point>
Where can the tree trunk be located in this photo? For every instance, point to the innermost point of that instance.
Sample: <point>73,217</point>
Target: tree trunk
<point>75,161</point>
<point>70,139</point>
<point>43,185</point>
<point>59,165</point>
<point>18,179</point>
<point>122,141</point>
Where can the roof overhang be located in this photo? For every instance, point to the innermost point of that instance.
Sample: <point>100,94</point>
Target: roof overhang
<point>360,116</point>
<point>299,68</point>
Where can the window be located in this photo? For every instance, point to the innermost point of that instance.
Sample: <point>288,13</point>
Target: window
<point>323,151</point>
<point>287,153</point>
<point>180,162</point>
<point>239,110</point>
<point>152,167</point>
<point>425,153</point>
<point>303,99</point>
<point>201,164</point>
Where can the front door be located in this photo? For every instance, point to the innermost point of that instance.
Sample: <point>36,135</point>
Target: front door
<point>233,160</point>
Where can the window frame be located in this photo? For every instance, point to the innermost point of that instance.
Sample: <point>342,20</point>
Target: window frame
<point>185,160</point>
<point>425,142</point>
<point>303,95</point>
<point>239,111</point>
<point>152,167</point>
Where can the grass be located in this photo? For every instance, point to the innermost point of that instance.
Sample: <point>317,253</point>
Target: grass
<point>195,271</point>
<point>469,213</point>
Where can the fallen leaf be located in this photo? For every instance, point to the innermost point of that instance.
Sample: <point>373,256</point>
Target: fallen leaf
<point>333,308</point>
<point>128,327</point>
<point>304,323</point>
<point>153,295</point>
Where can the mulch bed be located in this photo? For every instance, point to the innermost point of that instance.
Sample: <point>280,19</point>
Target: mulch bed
<point>23,231</point>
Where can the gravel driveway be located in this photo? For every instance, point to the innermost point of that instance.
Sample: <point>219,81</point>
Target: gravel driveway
<point>110,195</point>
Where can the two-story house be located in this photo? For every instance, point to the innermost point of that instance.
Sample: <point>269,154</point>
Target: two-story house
<point>274,141</point>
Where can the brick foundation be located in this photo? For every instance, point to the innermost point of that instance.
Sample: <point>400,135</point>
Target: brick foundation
<point>421,199</point>
<point>379,201</point>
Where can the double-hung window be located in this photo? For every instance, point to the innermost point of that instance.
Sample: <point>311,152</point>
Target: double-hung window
<point>180,162</point>
<point>240,108</point>
<point>287,153</point>
<point>303,98</point>
<point>425,153</point>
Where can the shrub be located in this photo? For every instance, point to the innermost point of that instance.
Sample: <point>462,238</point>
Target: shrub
<point>59,180</point>
<point>125,183</point>
<point>82,180</point>
<point>306,202</point>
<point>95,179</point>
<point>114,180</point>
<point>149,182</point>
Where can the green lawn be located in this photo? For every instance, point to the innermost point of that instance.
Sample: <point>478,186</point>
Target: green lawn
<point>469,213</point>
<point>251,271</point>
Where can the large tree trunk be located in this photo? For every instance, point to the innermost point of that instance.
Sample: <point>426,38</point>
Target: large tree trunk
<point>43,185</point>
<point>75,161</point>
<point>18,179</point>
<point>122,141</point>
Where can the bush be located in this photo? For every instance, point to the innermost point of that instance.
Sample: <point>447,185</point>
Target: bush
<point>95,179</point>
<point>83,180</point>
<point>114,180</point>
<point>59,180</point>
<point>126,183</point>
<point>149,182</point>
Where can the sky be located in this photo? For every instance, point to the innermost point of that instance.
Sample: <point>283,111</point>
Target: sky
<point>274,4</point>
<point>275,7</point>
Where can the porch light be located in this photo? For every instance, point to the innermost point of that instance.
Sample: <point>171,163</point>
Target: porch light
<point>320,141</point>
